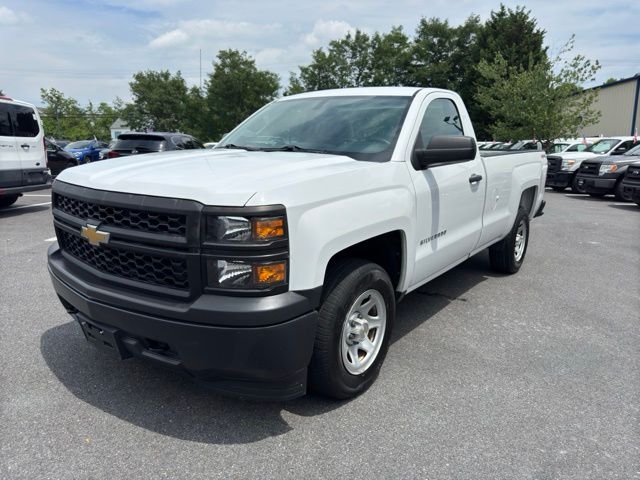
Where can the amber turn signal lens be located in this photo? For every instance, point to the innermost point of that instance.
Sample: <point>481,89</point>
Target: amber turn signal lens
<point>270,273</point>
<point>268,228</point>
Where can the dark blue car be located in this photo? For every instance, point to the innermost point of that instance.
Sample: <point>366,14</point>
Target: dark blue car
<point>86,151</point>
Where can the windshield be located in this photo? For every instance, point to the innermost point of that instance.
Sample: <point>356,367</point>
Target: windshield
<point>602,146</point>
<point>364,128</point>
<point>557,147</point>
<point>634,151</point>
<point>80,144</point>
<point>578,147</point>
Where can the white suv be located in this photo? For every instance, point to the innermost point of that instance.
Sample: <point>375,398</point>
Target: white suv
<point>23,160</point>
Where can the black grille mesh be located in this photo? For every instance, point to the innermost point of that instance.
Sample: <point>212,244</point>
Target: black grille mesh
<point>589,168</point>
<point>554,164</point>
<point>122,217</point>
<point>633,175</point>
<point>157,270</point>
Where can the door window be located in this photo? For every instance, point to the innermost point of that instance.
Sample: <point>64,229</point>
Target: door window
<point>440,118</point>
<point>5,121</point>
<point>24,122</point>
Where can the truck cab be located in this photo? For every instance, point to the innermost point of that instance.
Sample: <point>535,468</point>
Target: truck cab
<point>23,162</point>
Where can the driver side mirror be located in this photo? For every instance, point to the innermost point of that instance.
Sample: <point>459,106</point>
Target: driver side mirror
<point>445,150</point>
<point>619,150</point>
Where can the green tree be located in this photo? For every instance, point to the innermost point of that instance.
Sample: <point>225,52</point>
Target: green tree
<point>235,89</point>
<point>543,100</point>
<point>197,121</point>
<point>62,117</point>
<point>159,102</point>
<point>99,119</point>
<point>391,59</point>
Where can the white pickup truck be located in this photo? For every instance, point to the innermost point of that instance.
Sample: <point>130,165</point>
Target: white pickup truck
<point>274,261</point>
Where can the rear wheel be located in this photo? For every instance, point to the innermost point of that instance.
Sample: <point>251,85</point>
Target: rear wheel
<point>8,200</point>
<point>507,255</point>
<point>558,189</point>
<point>354,327</point>
<point>575,188</point>
<point>87,159</point>
<point>618,191</point>
<point>597,195</point>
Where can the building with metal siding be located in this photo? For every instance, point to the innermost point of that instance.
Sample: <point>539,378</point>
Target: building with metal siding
<point>618,105</point>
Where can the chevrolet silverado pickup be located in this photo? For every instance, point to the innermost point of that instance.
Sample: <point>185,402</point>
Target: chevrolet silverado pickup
<point>603,175</point>
<point>273,263</point>
<point>563,167</point>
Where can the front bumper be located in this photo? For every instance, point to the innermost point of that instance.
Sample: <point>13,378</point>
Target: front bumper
<point>559,179</point>
<point>632,191</point>
<point>595,184</point>
<point>227,348</point>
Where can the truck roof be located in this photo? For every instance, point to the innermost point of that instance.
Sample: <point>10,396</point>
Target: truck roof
<point>365,91</point>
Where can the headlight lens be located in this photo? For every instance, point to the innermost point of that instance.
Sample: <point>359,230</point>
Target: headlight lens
<point>607,169</point>
<point>244,230</point>
<point>567,164</point>
<point>248,275</point>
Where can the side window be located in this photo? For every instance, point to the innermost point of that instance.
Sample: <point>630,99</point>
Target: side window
<point>624,146</point>
<point>5,121</point>
<point>440,118</point>
<point>188,143</point>
<point>24,122</point>
<point>197,143</point>
<point>178,142</point>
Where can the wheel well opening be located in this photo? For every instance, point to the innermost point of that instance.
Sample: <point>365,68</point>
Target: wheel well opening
<point>386,250</point>
<point>527,199</point>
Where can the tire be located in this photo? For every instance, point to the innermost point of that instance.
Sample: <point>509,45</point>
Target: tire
<point>597,195</point>
<point>618,191</point>
<point>558,189</point>
<point>70,164</point>
<point>503,256</point>
<point>575,188</point>
<point>353,283</point>
<point>8,200</point>
<point>87,159</point>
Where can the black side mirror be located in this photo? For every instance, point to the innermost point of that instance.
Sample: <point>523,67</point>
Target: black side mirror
<point>445,150</point>
<point>619,151</point>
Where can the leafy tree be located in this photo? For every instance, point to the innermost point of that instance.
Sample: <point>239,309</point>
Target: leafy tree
<point>543,100</point>
<point>391,59</point>
<point>159,101</point>
<point>197,121</point>
<point>99,119</point>
<point>611,80</point>
<point>62,117</point>
<point>236,89</point>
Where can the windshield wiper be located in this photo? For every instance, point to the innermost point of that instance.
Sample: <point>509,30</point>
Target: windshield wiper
<point>238,147</point>
<point>296,148</point>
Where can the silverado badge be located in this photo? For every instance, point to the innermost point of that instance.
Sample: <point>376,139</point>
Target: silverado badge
<point>94,236</point>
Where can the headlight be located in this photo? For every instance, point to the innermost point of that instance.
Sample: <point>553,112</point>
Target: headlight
<point>247,275</point>
<point>244,230</point>
<point>567,164</point>
<point>607,169</point>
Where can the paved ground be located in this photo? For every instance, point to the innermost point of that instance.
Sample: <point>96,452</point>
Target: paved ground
<point>535,376</point>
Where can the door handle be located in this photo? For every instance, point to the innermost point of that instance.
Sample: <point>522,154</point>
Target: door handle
<point>25,146</point>
<point>475,178</point>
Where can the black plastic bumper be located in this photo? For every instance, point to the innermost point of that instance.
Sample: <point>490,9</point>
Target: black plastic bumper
<point>25,188</point>
<point>267,361</point>
<point>596,185</point>
<point>632,191</point>
<point>559,179</point>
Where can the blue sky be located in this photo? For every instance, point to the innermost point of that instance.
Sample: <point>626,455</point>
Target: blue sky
<point>90,48</point>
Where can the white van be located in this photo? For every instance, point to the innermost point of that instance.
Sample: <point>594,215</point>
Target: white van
<point>23,158</point>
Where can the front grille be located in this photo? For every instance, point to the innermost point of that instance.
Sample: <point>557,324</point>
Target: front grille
<point>554,164</point>
<point>122,217</point>
<point>633,175</point>
<point>154,269</point>
<point>590,168</point>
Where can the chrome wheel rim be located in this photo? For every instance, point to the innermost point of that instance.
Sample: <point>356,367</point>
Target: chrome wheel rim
<point>363,332</point>
<point>521,241</point>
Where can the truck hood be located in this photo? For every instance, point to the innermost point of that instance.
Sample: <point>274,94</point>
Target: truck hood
<point>212,177</point>
<point>579,156</point>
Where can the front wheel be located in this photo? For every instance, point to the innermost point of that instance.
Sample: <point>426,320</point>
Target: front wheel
<point>507,255</point>
<point>8,200</point>
<point>354,327</point>
<point>558,189</point>
<point>575,188</point>
<point>87,159</point>
<point>596,195</point>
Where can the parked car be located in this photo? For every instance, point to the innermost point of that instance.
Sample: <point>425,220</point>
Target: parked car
<point>86,151</point>
<point>60,143</point>
<point>603,175</point>
<point>58,159</point>
<point>135,143</point>
<point>563,168</point>
<point>631,183</point>
<point>567,146</point>
<point>104,153</point>
<point>23,162</point>
<point>275,260</point>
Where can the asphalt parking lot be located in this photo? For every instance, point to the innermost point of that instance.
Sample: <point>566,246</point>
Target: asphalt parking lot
<point>532,376</point>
